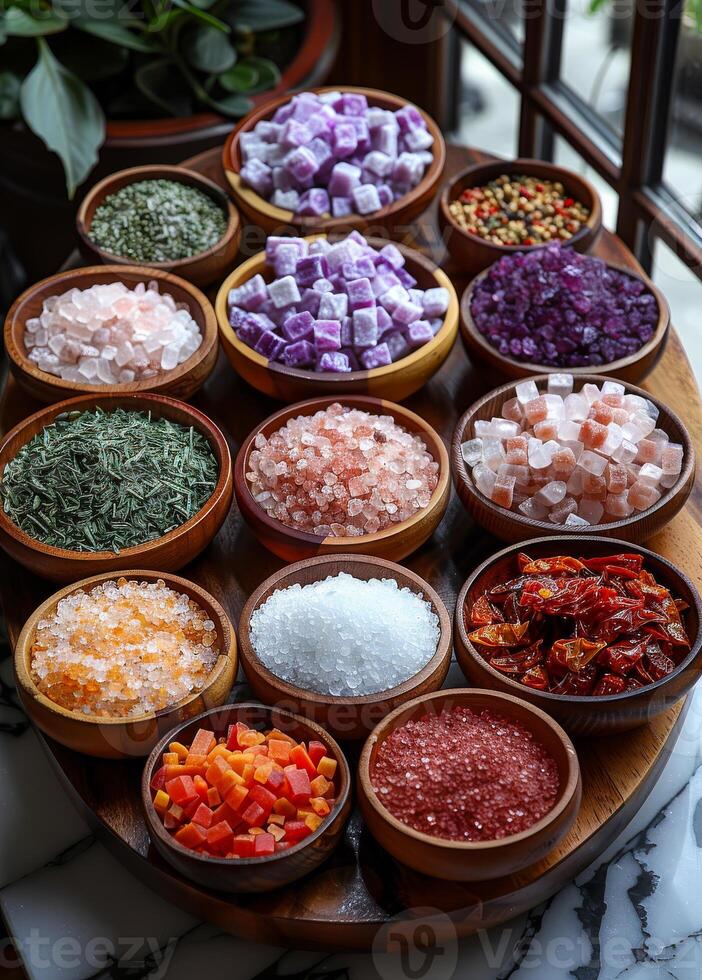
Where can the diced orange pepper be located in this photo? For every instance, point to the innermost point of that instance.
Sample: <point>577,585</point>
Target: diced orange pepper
<point>215,772</point>
<point>161,801</point>
<point>229,779</point>
<point>176,812</point>
<point>277,818</point>
<point>302,814</point>
<point>279,750</point>
<point>299,756</point>
<point>261,773</point>
<point>213,797</point>
<point>319,786</point>
<point>180,750</point>
<point>181,789</point>
<point>255,831</point>
<point>276,831</point>
<point>313,821</point>
<point>251,738</point>
<point>284,807</point>
<point>196,760</point>
<point>190,835</point>
<point>248,772</point>
<point>236,796</point>
<point>203,743</point>
<point>326,767</point>
<point>184,770</point>
<point>201,787</point>
<point>218,750</point>
<point>171,759</point>
<point>279,736</point>
<point>237,761</point>
<point>320,806</point>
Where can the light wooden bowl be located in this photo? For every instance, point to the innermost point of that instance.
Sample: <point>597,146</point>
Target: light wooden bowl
<point>344,717</point>
<point>511,525</point>
<point>167,553</point>
<point>118,738</point>
<point>473,860</point>
<point>394,218</point>
<point>471,251</point>
<point>394,543</point>
<point>182,382</point>
<point>395,381</point>
<point>250,874</point>
<point>632,368</point>
<point>202,268</point>
<point>584,715</point>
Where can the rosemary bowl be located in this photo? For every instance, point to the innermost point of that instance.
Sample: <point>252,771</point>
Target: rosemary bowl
<point>181,382</point>
<point>202,268</point>
<point>584,715</point>
<point>167,553</point>
<point>394,381</point>
<point>118,738</point>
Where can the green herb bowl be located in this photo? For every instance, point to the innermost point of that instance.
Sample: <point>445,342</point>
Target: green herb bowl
<point>167,553</point>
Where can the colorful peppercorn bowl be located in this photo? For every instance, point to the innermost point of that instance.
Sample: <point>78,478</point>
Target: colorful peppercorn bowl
<point>201,269</point>
<point>346,718</point>
<point>258,874</point>
<point>169,552</point>
<point>393,218</point>
<point>394,543</point>
<point>119,738</point>
<point>472,252</point>
<point>394,381</point>
<point>475,860</point>
<point>584,715</point>
<point>510,525</point>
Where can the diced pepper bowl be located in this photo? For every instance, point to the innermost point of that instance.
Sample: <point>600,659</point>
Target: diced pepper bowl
<point>250,874</point>
<point>395,381</point>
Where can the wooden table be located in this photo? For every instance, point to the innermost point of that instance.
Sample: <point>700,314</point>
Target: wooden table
<point>349,899</point>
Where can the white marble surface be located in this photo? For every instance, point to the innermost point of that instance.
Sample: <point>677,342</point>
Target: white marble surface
<point>75,913</point>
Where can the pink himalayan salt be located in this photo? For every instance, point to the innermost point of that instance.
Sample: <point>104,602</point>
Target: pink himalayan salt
<point>110,334</point>
<point>605,461</point>
<point>341,472</point>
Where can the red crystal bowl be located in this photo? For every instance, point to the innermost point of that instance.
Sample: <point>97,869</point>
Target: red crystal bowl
<point>584,715</point>
<point>473,860</point>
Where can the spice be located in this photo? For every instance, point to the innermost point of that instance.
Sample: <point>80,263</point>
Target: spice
<point>123,648</point>
<point>573,458</point>
<point>556,307</point>
<point>580,626</point>
<point>110,334</point>
<point>519,211</point>
<point>465,776</point>
<point>341,472</point>
<point>335,307</point>
<point>157,221</point>
<point>345,636</point>
<point>249,795</point>
<point>333,153</point>
<point>104,481</point>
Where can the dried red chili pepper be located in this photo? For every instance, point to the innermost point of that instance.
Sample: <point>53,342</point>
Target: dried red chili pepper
<point>573,655</point>
<point>547,566</point>
<point>537,678</point>
<point>622,657</point>
<point>499,635</point>
<point>631,561</point>
<point>657,663</point>
<point>609,684</point>
<point>483,613</point>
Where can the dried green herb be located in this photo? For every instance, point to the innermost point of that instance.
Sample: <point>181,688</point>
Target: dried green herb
<point>104,481</point>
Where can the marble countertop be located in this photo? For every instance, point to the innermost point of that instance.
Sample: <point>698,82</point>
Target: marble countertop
<point>74,912</point>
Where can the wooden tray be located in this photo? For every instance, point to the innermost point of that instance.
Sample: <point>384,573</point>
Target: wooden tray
<point>346,902</point>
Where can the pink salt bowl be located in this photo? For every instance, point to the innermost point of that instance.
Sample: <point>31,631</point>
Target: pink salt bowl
<point>512,526</point>
<point>395,542</point>
<point>180,382</point>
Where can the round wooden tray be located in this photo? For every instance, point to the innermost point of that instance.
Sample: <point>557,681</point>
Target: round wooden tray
<point>346,902</point>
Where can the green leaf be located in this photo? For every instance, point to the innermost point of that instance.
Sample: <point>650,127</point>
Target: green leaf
<point>202,15</point>
<point>267,72</point>
<point>265,15</point>
<point>18,23</point>
<point>163,85</point>
<point>207,49</point>
<point>63,113</point>
<point>595,5</point>
<point>204,4</point>
<point>91,58</point>
<point>9,95</point>
<point>240,78</point>
<point>231,105</point>
<point>115,33</point>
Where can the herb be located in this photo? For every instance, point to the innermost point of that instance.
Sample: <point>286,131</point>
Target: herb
<point>104,481</point>
<point>157,221</point>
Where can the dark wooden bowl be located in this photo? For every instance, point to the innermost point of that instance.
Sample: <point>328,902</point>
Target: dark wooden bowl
<point>394,543</point>
<point>250,874</point>
<point>167,553</point>
<point>472,252</point>
<point>395,381</point>
<point>632,368</point>
<point>202,268</point>
<point>393,218</point>
<point>117,738</point>
<point>474,860</point>
<point>511,525</point>
<point>182,382</point>
<point>344,717</point>
<point>584,715</point>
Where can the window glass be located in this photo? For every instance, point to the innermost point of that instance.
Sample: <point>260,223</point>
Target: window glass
<point>682,290</point>
<point>566,156</point>
<point>488,106</point>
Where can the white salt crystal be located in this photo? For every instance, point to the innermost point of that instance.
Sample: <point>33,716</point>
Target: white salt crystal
<point>526,391</point>
<point>560,384</point>
<point>472,451</point>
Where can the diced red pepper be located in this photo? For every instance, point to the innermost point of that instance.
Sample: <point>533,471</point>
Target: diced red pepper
<point>190,835</point>
<point>265,799</point>
<point>220,837</point>
<point>254,815</point>
<point>264,845</point>
<point>243,845</point>
<point>233,735</point>
<point>296,830</point>
<point>158,780</point>
<point>316,751</point>
<point>203,816</point>
<point>181,789</point>
<point>299,783</point>
<point>276,782</point>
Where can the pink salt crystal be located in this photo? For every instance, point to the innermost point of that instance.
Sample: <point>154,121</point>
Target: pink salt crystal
<point>536,410</point>
<point>601,412</point>
<point>671,464</point>
<point>618,506</point>
<point>620,415</point>
<point>516,457</point>
<point>592,434</point>
<point>595,486</point>
<point>503,490</point>
<point>590,510</point>
<point>563,462</point>
<point>520,473</point>
<point>512,410</point>
<point>558,514</point>
<point>641,496</point>
<point>617,479</point>
<point>548,429</point>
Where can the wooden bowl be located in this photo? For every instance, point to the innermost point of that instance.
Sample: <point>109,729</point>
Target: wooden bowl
<point>201,268</point>
<point>250,874</point>
<point>473,860</point>
<point>118,738</point>
<point>394,543</point>
<point>471,251</point>
<point>167,553</point>
<point>394,218</point>
<point>395,381</point>
<point>631,368</point>
<point>584,715</point>
<point>344,717</point>
<point>513,526</point>
<point>182,382</point>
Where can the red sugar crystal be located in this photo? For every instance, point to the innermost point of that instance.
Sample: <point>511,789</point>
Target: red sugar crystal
<point>465,776</point>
